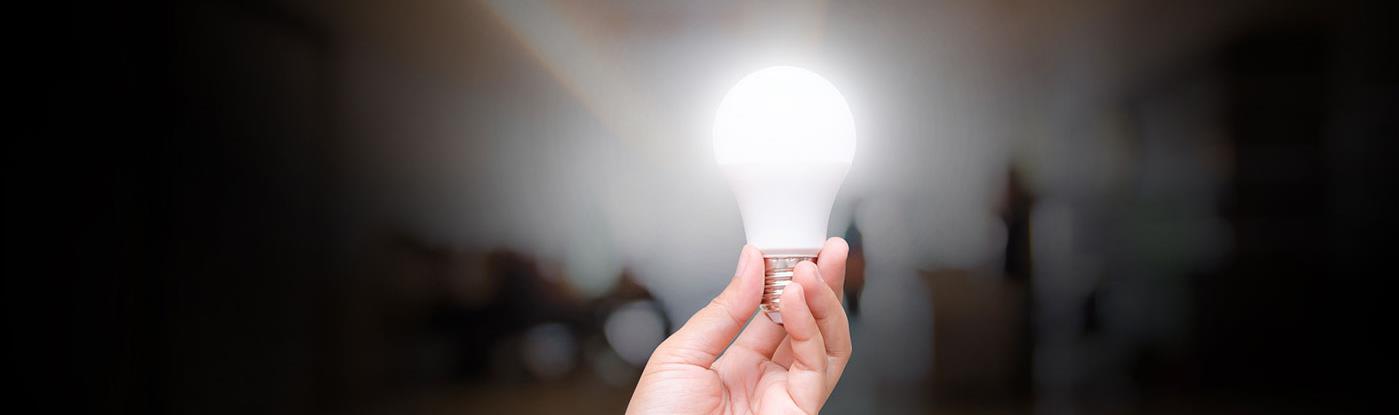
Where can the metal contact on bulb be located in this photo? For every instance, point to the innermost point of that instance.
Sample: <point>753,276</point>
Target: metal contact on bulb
<point>777,274</point>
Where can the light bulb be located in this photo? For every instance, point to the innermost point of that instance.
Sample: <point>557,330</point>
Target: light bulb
<point>784,136</point>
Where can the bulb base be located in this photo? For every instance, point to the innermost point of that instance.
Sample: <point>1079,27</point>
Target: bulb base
<point>777,274</point>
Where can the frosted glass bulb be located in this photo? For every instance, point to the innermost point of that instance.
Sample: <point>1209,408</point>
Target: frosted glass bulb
<point>784,136</point>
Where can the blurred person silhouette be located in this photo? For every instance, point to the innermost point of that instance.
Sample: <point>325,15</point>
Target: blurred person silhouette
<point>708,366</point>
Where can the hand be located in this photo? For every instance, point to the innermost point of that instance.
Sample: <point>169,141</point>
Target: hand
<point>770,368</point>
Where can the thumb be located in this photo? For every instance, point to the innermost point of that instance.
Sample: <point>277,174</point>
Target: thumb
<point>702,339</point>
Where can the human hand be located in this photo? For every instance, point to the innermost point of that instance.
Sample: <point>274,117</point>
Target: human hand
<point>769,368</point>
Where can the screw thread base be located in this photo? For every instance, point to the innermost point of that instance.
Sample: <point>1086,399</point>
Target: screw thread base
<point>777,274</point>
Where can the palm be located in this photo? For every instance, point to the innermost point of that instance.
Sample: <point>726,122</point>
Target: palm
<point>768,368</point>
<point>773,387</point>
<point>742,381</point>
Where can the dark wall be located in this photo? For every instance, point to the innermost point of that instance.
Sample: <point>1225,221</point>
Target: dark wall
<point>181,228</point>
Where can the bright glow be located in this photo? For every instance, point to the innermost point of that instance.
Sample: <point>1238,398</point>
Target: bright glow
<point>785,138</point>
<point>782,114</point>
<point>634,331</point>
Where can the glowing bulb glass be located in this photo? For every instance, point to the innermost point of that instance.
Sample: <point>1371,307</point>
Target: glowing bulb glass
<point>785,138</point>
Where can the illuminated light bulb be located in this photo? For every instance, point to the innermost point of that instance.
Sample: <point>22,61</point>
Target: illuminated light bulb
<point>784,136</point>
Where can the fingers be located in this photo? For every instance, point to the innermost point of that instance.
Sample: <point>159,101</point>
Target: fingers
<point>765,338</point>
<point>832,264</point>
<point>829,316</point>
<point>808,346</point>
<point>703,338</point>
<point>762,337</point>
<point>806,378</point>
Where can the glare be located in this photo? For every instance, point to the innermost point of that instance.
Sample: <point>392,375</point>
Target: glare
<point>634,330</point>
<point>549,351</point>
<point>784,111</point>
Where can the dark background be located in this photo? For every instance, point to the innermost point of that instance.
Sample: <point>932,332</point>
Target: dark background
<point>499,207</point>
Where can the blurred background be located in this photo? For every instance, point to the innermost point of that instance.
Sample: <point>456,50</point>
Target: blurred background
<point>502,206</point>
